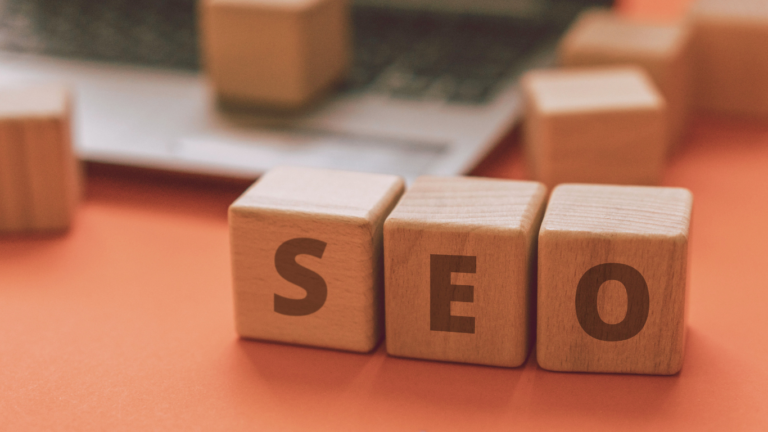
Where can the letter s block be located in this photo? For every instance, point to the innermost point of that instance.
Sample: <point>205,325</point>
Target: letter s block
<point>306,257</point>
<point>459,256</point>
<point>612,279</point>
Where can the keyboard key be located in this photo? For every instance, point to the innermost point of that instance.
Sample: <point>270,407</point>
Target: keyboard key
<point>471,91</point>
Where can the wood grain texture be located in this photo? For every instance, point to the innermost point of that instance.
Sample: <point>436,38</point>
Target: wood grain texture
<point>279,54</point>
<point>344,210</point>
<point>39,175</point>
<point>589,226</point>
<point>731,68</point>
<point>594,125</point>
<point>492,225</point>
<point>601,37</point>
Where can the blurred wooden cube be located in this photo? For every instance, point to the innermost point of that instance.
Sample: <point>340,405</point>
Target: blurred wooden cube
<point>662,49</point>
<point>612,279</point>
<point>731,65</point>
<point>459,257</point>
<point>274,53</point>
<point>39,175</point>
<point>595,125</point>
<point>306,257</point>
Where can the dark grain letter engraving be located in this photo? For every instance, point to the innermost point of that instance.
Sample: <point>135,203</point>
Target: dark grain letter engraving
<point>442,293</point>
<point>638,302</point>
<point>290,270</point>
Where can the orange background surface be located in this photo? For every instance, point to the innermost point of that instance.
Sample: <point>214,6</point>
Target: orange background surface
<point>126,323</point>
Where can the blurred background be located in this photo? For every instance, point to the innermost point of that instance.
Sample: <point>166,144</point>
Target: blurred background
<point>420,87</point>
<point>125,322</point>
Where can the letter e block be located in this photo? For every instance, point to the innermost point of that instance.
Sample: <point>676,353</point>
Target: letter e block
<point>39,175</point>
<point>458,262</point>
<point>594,125</point>
<point>306,250</point>
<point>612,279</point>
<point>274,53</point>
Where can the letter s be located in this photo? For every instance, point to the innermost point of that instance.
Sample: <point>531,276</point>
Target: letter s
<point>311,282</point>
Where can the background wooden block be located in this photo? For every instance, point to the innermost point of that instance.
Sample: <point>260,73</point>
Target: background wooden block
<point>458,261</point>
<point>306,257</point>
<point>731,67</point>
<point>663,49</point>
<point>595,125</point>
<point>39,176</point>
<point>617,235</point>
<point>274,53</point>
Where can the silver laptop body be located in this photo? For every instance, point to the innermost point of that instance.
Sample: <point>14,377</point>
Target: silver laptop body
<point>432,86</point>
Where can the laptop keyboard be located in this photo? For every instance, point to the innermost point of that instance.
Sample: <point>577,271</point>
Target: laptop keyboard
<point>159,33</point>
<point>437,56</point>
<point>412,55</point>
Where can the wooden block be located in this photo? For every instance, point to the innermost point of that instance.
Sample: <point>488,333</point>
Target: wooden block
<point>39,176</point>
<point>612,279</point>
<point>458,259</point>
<point>594,125</point>
<point>731,68</point>
<point>275,53</point>
<point>306,257</point>
<point>662,49</point>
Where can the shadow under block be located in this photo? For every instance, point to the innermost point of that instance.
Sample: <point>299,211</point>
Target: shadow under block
<point>459,258</point>
<point>731,65</point>
<point>306,257</point>
<point>39,176</point>
<point>612,279</point>
<point>274,53</point>
<point>596,125</point>
<point>662,49</point>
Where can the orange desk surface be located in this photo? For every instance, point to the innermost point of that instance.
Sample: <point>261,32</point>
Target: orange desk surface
<point>126,323</point>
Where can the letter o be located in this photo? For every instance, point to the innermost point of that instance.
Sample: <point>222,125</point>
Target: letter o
<point>638,302</point>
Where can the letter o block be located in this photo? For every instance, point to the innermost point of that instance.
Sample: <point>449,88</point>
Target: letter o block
<point>306,257</point>
<point>274,53</point>
<point>458,262</point>
<point>612,279</point>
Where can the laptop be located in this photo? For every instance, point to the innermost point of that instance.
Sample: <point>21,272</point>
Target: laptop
<point>431,89</point>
